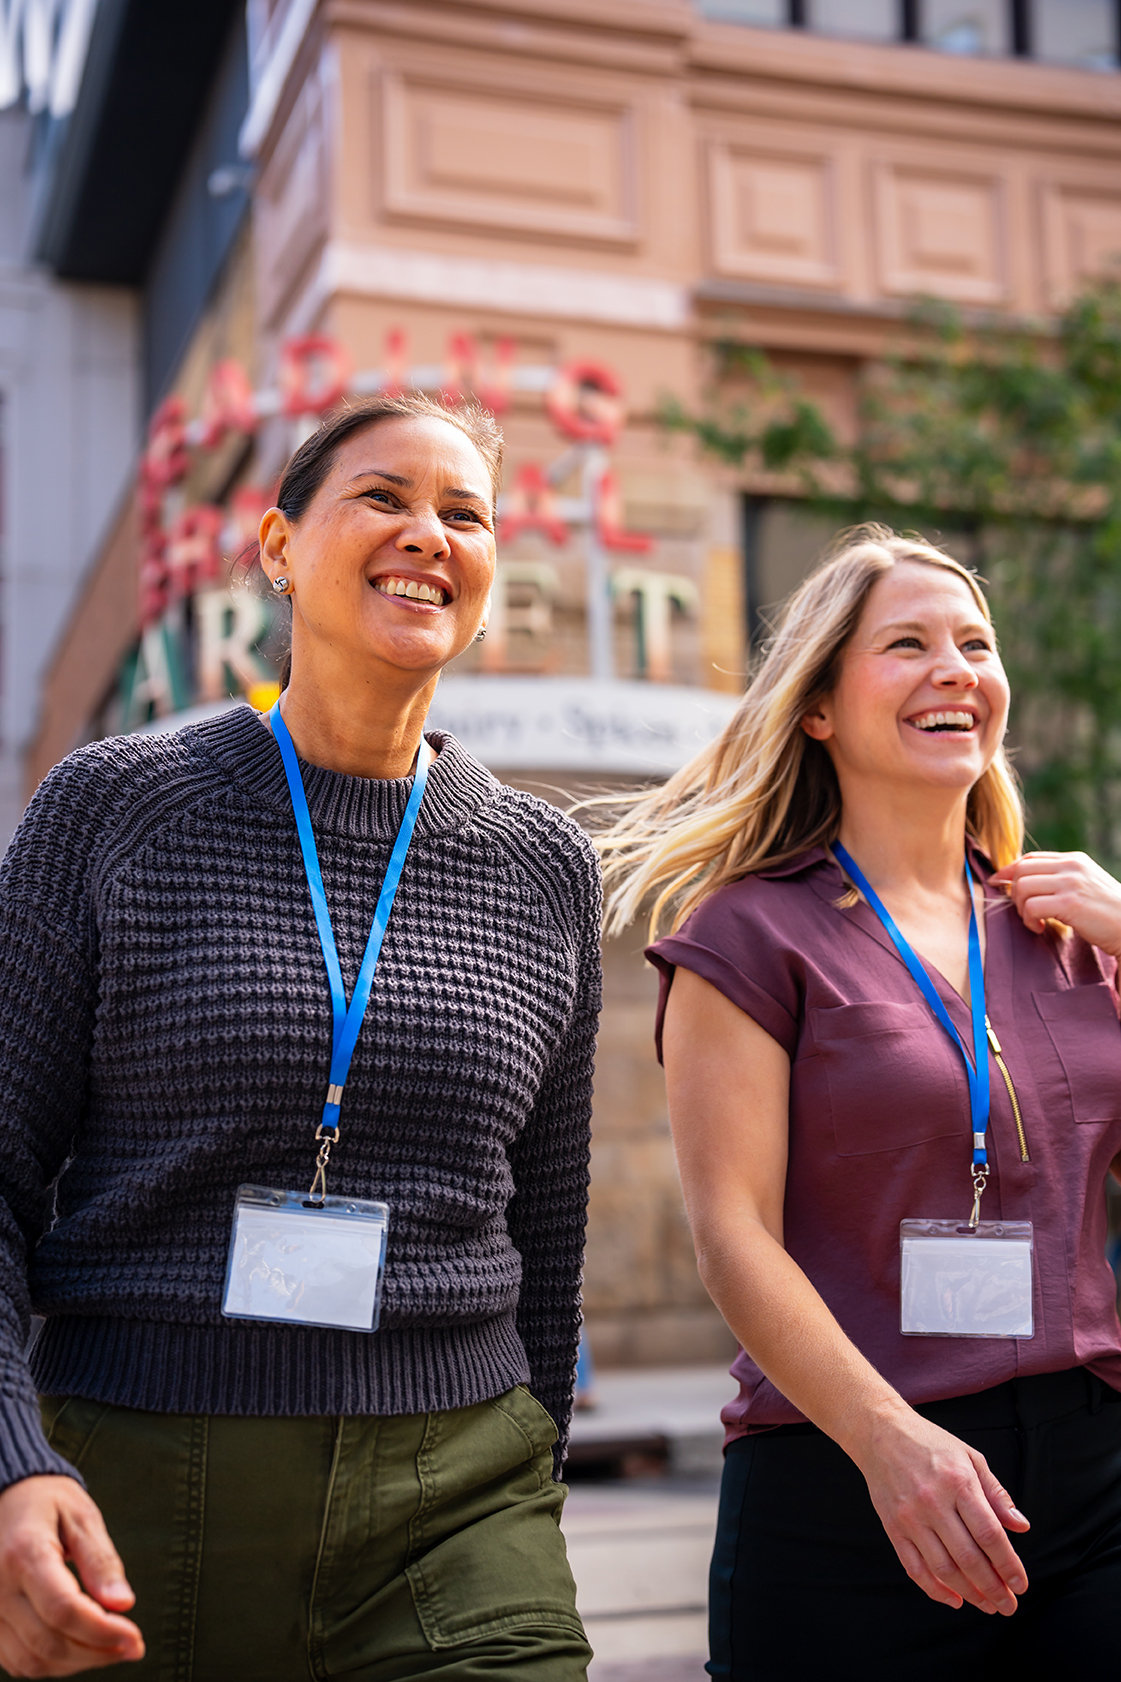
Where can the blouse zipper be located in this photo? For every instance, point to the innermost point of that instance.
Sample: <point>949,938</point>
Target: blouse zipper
<point>1002,1066</point>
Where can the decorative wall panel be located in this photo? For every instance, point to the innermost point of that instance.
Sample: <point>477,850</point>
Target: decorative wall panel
<point>1081,238</point>
<point>773,216</point>
<point>292,202</point>
<point>497,160</point>
<point>940,232</point>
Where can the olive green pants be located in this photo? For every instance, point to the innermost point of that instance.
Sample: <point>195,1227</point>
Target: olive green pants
<point>280,1550</point>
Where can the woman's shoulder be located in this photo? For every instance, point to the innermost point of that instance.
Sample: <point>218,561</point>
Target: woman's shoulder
<point>119,767</point>
<point>516,818</point>
<point>771,903</point>
<point>521,832</point>
<point>116,785</point>
<point>546,840</point>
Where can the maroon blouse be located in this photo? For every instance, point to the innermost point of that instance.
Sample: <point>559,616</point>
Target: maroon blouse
<point>880,1125</point>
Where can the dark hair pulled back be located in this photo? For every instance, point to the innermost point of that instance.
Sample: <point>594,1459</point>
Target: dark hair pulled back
<point>312,462</point>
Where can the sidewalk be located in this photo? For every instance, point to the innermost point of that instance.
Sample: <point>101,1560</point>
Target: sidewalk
<point>640,1548</point>
<point>678,1407</point>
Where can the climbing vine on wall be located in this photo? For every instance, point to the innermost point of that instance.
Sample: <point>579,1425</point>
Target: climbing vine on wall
<point>1006,442</point>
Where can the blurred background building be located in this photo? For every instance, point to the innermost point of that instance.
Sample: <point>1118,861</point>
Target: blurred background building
<point>215,221</point>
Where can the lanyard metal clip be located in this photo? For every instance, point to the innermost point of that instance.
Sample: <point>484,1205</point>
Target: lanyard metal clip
<point>317,1191</point>
<point>980,1178</point>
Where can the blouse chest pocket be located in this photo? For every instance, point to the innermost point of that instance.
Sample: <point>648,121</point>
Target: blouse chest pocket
<point>892,1077</point>
<point>1085,1036</point>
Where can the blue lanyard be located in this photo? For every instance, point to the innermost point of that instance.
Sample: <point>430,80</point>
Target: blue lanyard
<point>977,1072</point>
<point>347,1023</point>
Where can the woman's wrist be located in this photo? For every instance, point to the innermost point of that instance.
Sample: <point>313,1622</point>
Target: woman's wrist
<point>869,1423</point>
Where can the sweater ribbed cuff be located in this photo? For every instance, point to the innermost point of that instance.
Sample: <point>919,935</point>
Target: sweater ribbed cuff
<point>24,1450</point>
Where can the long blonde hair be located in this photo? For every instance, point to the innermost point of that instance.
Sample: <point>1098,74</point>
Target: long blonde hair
<point>763,791</point>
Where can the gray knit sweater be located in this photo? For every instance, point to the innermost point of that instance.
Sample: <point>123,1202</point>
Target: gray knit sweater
<point>165,1031</point>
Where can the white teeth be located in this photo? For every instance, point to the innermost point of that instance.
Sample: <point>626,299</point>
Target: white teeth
<point>959,720</point>
<point>409,588</point>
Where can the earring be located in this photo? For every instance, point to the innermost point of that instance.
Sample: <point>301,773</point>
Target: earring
<point>480,633</point>
<point>281,586</point>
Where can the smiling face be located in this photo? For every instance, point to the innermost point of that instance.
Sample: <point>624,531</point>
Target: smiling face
<point>391,564</point>
<point>921,698</point>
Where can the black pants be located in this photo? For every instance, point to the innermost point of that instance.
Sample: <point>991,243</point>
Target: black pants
<point>805,1583</point>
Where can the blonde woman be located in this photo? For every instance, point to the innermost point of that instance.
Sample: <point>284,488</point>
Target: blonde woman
<point>893,1059</point>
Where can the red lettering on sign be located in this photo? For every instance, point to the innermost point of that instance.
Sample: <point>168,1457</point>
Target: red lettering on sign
<point>396,363</point>
<point>165,461</point>
<point>609,520</point>
<point>530,505</point>
<point>314,374</point>
<point>229,405</point>
<point>194,553</point>
<point>585,402</point>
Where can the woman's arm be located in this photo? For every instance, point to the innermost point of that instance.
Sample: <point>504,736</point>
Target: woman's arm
<point>941,1506</point>
<point>48,997</point>
<point>547,1215</point>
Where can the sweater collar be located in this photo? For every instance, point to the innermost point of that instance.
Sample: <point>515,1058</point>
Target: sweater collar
<point>366,808</point>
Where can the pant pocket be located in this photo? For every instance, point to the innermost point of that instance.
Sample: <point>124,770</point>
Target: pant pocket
<point>70,1424</point>
<point>488,1552</point>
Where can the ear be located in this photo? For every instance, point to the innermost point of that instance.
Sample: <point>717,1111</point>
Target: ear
<point>817,723</point>
<point>272,538</point>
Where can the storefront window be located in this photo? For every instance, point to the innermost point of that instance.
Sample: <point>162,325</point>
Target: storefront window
<point>967,26</point>
<point>782,543</point>
<point>1080,32</point>
<point>871,20</point>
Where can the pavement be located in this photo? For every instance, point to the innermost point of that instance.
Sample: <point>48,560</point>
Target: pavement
<point>640,1548</point>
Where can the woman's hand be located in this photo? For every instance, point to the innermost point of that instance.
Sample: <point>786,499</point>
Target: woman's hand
<point>1070,887</point>
<point>944,1512</point>
<point>48,1627</point>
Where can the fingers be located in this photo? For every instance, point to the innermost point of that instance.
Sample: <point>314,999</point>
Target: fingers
<point>999,1499</point>
<point>16,1657</point>
<point>955,1578</point>
<point>1068,888</point>
<point>52,1613</point>
<point>98,1563</point>
<point>48,1626</point>
<point>969,1551</point>
<point>920,1573</point>
<point>972,1569</point>
<point>29,1648</point>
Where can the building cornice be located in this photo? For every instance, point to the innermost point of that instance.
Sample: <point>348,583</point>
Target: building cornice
<point>550,32</point>
<point>916,73</point>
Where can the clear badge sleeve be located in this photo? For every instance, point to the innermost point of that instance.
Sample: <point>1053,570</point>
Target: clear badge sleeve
<point>308,1263</point>
<point>962,1281</point>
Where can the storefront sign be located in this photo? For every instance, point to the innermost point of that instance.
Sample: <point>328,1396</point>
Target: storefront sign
<point>200,638</point>
<point>578,724</point>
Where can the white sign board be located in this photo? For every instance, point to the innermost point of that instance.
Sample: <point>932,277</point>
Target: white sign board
<point>579,724</point>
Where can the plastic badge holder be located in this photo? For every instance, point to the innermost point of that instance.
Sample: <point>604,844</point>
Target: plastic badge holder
<point>958,1281</point>
<point>307,1263</point>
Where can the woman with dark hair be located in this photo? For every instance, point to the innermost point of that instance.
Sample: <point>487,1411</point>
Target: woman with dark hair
<point>296,1083</point>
